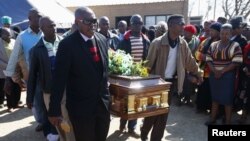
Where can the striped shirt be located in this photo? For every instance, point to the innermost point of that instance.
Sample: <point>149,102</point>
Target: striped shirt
<point>224,57</point>
<point>136,48</point>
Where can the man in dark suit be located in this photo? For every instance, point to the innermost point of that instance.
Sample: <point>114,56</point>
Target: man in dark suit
<point>81,66</point>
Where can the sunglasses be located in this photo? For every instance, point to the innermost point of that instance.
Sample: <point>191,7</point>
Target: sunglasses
<point>137,23</point>
<point>89,21</point>
<point>179,23</point>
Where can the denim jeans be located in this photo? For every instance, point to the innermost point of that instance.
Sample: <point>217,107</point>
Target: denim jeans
<point>39,109</point>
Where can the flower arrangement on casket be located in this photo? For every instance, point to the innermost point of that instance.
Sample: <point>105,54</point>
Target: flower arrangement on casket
<point>121,63</point>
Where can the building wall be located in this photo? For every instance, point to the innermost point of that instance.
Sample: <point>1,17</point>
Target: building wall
<point>161,8</point>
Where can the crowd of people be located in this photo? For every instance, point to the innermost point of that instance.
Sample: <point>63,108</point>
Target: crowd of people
<point>66,77</point>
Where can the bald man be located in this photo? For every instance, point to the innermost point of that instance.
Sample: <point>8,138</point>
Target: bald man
<point>82,67</point>
<point>112,39</point>
<point>42,58</point>
<point>122,27</point>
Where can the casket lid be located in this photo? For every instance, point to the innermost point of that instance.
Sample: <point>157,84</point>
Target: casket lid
<point>136,81</point>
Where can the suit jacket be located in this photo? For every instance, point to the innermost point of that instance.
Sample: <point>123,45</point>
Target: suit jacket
<point>75,70</point>
<point>3,59</point>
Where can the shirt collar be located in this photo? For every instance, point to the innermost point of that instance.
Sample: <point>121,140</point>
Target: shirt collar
<point>31,31</point>
<point>85,37</point>
<point>47,44</point>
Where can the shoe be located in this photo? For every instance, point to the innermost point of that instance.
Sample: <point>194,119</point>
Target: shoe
<point>200,111</point>
<point>210,123</point>
<point>19,106</point>
<point>122,129</point>
<point>52,137</point>
<point>190,104</point>
<point>179,102</point>
<point>133,133</point>
<point>39,128</point>
<point>9,110</point>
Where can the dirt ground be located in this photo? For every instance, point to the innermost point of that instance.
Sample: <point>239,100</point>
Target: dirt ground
<point>184,124</point>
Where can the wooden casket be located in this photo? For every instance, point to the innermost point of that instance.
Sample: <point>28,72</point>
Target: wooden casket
<point>135,97</point>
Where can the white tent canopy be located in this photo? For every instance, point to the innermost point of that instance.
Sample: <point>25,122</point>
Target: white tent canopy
<point>18,10</point>
<point>62,16</point>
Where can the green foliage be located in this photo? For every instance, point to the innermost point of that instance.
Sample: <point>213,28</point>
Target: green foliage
<point>121,63</point>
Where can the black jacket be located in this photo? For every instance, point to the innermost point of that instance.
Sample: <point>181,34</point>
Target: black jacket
<point>75,70</point>
<point>40,70</point>
<point>241,40</point>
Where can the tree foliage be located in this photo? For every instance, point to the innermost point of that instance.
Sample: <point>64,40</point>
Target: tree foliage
<point>232,8</point>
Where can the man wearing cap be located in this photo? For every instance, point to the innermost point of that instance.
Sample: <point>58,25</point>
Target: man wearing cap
<point>222,20</point>
<point>238,24</point>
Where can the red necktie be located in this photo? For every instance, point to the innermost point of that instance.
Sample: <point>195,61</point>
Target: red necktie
<point>93,50</point>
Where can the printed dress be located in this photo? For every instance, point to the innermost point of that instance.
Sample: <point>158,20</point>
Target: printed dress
<point>222,89</point>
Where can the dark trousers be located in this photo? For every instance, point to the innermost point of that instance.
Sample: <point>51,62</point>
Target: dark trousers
<point>14,97</point>
<point>203,99</point>
<point>158,122</point>
<point>188,89</point>
<point>131,124</point>
<point>2,94</point>
<point>39,109</point>
<point>48,128</point>
<point>92,128</point>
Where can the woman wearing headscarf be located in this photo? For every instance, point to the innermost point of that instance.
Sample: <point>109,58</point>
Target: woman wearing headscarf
<point>203,99</point>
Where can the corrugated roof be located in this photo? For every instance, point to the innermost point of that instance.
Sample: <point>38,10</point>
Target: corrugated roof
<point>70,3</point>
